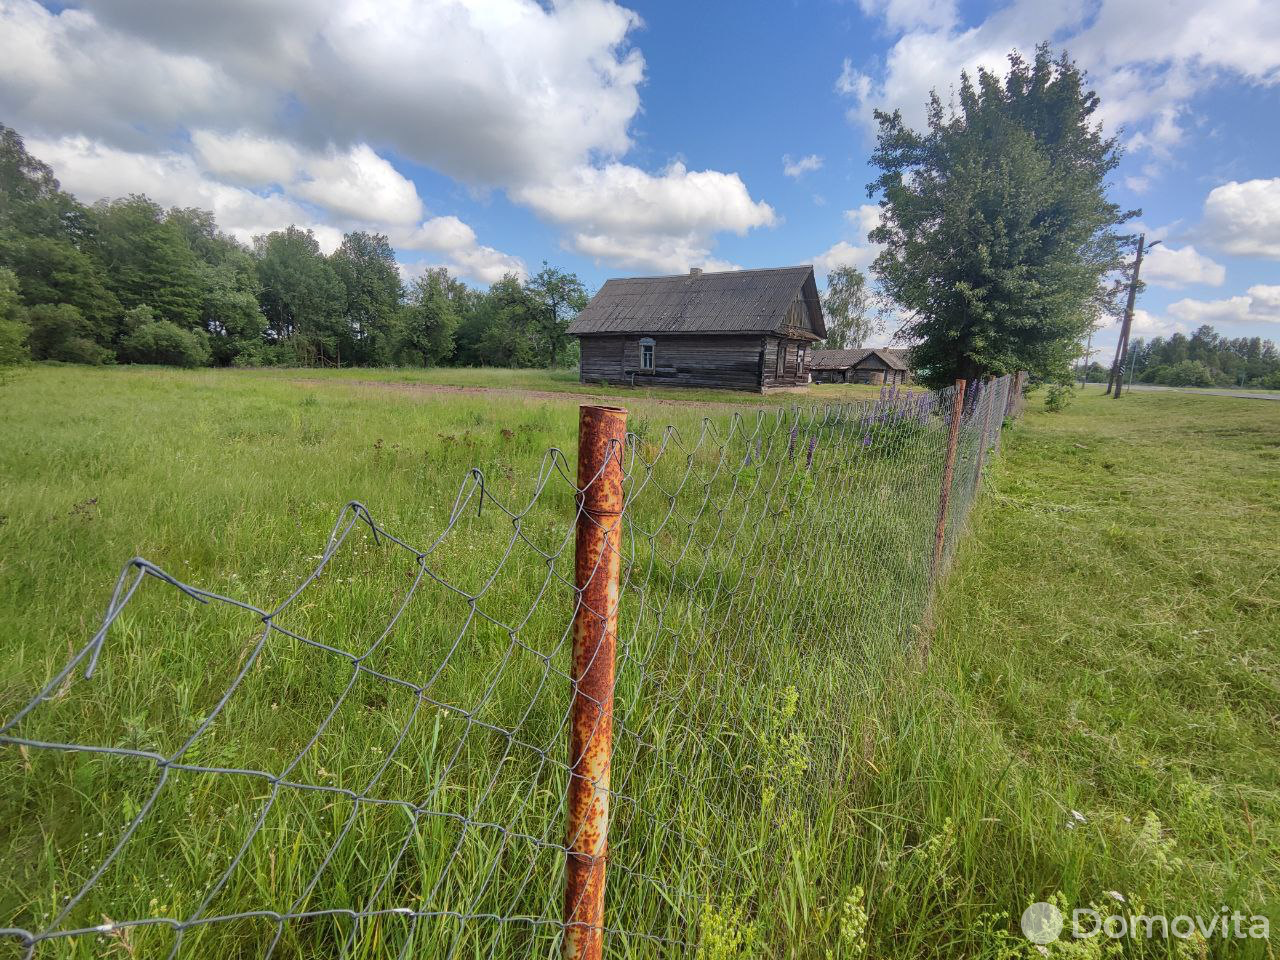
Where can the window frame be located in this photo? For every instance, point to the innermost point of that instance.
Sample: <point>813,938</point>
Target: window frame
<point>649,344</point>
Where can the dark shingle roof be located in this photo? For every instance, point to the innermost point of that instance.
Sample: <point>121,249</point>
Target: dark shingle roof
<point>843,359</point>
<point>737,301</point>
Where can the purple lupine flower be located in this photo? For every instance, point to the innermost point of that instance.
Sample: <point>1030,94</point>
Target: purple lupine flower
<point>791,442</point>
<point>866,441</point>
<point>808,460</point>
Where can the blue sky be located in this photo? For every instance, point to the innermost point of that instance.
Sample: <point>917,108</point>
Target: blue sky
<point>615,139</point>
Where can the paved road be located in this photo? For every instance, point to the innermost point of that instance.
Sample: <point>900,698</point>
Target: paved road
<point>1209,391</point>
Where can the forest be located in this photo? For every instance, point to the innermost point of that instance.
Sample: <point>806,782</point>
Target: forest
<point>125,280</point>
<point>1204,359</point>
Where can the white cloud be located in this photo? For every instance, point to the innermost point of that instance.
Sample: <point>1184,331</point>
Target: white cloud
<point>1148,325</point>
<point>1177,268</point>
<point>1259,304</point>
<point>463,252</point>
<point>853,83</point>
<point>532,98</point>
<point>247,158</point>
<point>1146,58</point>
<point>355,183</point>
<point>798,168</point>
<point>864,219</point>
<point>908,14</point>
<point>844,254</point>
<point>1244,218</point>
<point>94,171</point>
<point>626,216</point>
<point>487,91</point>
<point>359,184</point>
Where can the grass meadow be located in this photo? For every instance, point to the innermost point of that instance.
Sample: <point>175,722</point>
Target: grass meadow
<point>793,775</point>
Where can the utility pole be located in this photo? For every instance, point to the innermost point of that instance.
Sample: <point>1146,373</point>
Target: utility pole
<point>1116,380</point>
<point>1088,357</point>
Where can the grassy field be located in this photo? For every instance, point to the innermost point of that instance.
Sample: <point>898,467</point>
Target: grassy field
<point>1098,712</point>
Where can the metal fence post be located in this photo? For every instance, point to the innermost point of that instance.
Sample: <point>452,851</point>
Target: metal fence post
<point>598,563</point>
<point>953,439</point>
<point>988,394</point>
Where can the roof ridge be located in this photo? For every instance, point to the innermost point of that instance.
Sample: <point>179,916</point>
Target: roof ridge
<point>716,273</point>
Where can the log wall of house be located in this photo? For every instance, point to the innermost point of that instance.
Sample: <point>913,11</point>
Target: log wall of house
<point>793,372</point>
<point>689,360</point>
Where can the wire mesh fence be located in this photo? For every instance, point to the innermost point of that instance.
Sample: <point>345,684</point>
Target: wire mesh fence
<point>379,765</point>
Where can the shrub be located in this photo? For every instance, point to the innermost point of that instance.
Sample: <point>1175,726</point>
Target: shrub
<point>13,327</point>
<point>1188,373</point>
<point>162,341</point>
<point>58,331</point>
<point>1059,397</point>
<point>13,342</point>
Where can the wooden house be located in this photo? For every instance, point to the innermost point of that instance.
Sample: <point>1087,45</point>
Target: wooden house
<point>874,365</point>
<point>741,329</point>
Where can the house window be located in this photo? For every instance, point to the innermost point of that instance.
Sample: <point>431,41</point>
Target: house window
<point>781,359</point>
<point>646,354</point>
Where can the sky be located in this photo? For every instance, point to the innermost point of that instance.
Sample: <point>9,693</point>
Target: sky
<point>642,138</point>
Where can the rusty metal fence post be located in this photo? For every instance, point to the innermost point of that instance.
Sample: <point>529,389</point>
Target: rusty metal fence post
<point>953,439</point>
<point>598,563</point>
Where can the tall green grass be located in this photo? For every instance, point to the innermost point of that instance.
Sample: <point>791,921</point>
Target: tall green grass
<point>790,780</point>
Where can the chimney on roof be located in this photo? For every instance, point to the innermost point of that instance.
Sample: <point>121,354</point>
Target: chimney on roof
<point>695,271</point>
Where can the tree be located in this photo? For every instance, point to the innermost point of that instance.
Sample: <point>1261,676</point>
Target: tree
<point>366,265</point>
<point>996,227</point>
<point>44,234</point>
<point>847,306</point>
<point>13,325</point>
<point>227,276</point>
<point>147,259</point>
<point>302,297</point>
<point>150,340</point>
<point>557,298</point>
<point>428,320</point>
<point>59,331</point>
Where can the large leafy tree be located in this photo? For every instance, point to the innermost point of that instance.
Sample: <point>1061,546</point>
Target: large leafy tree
<point>848,307</point>
<point>996,225</point>
<point>302,297</point>
<point>148,260</point>
<point>228,279</point>
<point>46,240</point>
<point>366,265</point>
<point>557,297</point>
<point>429,319</point>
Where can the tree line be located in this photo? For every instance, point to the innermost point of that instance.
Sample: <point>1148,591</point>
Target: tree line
<point>1204,359</point>
<point>126,280</point>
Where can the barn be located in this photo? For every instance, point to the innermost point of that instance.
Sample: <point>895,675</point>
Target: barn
<point>874,365</point>
<point>740,329</point>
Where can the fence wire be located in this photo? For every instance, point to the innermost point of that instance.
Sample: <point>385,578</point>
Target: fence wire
<point>376,766</point>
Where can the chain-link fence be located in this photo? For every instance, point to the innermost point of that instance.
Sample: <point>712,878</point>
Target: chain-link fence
<point>379,765</point>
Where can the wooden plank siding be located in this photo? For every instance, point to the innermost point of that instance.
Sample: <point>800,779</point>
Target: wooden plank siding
<point>731,362</point>
<point>739,330</point>
<point>870,370</point>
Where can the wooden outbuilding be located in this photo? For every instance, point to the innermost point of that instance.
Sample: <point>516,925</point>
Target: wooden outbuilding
<point>740,329</point>
<point>873,365</point>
